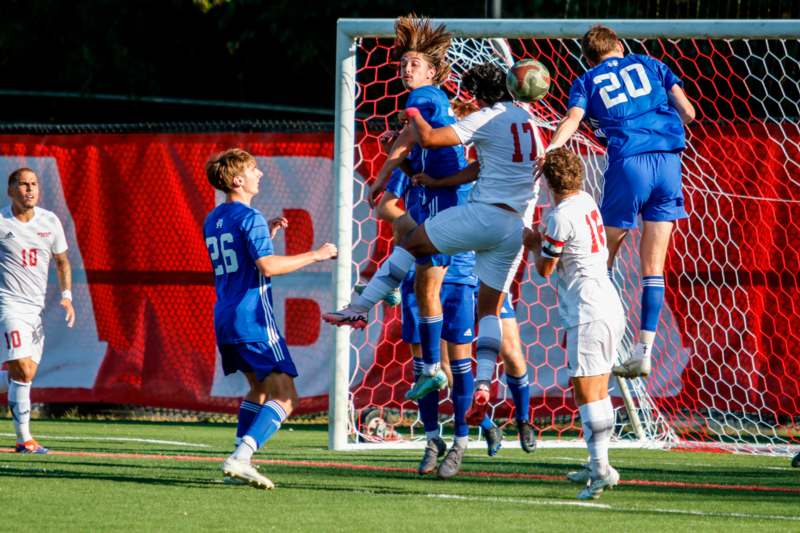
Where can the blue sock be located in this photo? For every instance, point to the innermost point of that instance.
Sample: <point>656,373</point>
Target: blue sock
<point>267,422</point>
<point>428,404</point>
<point>487,423</point>
<point>248,411</point>
<point>463,383</point>
<point>652,301</point>
<point>430,335</point>
<point>521,394</point>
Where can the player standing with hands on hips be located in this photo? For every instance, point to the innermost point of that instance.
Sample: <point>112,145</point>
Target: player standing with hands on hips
<point>29,237</point>
<point>637,108</point>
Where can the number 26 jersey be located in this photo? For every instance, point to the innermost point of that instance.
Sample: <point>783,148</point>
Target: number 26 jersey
<point>236,236</point>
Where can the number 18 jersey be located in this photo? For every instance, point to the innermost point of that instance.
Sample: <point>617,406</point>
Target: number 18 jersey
<point>25,252</point>
<point>627,104</point>
<point>236,236</point>
<point>574,234</point>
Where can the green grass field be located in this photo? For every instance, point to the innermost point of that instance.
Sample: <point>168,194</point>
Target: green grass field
<point>107,476</point>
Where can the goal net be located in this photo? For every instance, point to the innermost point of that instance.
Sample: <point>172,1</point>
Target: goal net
<point>726,356</point>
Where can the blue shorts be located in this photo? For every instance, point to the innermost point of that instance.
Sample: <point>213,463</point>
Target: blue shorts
<point>458,313</point>
<point>508,310</point>
<point>436,201</point>
<point>647,184</point>
<point>257,357</point>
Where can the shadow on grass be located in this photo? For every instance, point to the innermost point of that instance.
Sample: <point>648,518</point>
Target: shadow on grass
<point>13,472</point>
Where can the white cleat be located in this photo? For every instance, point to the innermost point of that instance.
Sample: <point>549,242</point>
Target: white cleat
<point>246,472</point>
<point>594,488</point>
<point>633,368</point>
<point>581,477</point>
<point>347,316</point>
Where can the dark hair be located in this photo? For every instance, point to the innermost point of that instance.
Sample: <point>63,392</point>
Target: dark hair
<point>486,82</point>
<point>563,170</point>
<point>14,177</point>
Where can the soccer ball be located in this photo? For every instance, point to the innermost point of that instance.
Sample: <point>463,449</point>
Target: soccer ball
<point>528,80</point>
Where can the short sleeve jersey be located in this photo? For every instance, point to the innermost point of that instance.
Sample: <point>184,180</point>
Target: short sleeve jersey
<point>236,236</point>
<point>25,252</point>
<point>574,234</point>
<point>462,266</point>
<point>435,108</point>
<point>507,143</point>
<point>627,105</point>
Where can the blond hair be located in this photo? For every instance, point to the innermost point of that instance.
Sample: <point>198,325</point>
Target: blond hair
<point>563,170</point>
<point>224,166</point>
<point>415,34</point>
<point>597,42</point>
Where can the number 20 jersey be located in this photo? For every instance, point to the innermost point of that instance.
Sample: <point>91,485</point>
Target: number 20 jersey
<point>236,236</point>
<point>627,104</point>
<point>25,252</point>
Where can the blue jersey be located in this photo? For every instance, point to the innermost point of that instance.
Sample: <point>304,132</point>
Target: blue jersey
<point>435,108</point>
<point>414,196</point>
<point>236,236</point>
<point>626,102</point>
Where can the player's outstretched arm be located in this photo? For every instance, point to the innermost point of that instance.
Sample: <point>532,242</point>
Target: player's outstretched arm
<point>465,175</point>
<point>397,155</point>
<point>681,103</point>
<point>277,265</point>
<point>64,270</point>
<point>568,126</point>
<point>428,137</point>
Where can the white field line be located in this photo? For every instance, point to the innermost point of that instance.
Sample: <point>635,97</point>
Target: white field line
<point>592,505</point>
<point>118,439</point>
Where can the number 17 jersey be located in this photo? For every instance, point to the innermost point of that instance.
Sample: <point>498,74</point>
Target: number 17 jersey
<point>236,236</point>
<point>626,100</point>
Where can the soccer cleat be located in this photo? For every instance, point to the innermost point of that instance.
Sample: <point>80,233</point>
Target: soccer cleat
<point>246,472</point>
<point>633,368</point>
<point>393,299</point>
<point>426,384</point>
<point>494,440</point>
<point>31,446</point>
<point>476,414</point>
<point>434,450</point>
<point>594,488</point>
<point>452,462</point>
<point>481,395</point>
<point>796,461</point>
<point>527,437</point>
<point>582,476</point>
<point>347,316</point>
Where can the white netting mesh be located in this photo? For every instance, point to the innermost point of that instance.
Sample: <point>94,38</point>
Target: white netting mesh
<point>726,355</point>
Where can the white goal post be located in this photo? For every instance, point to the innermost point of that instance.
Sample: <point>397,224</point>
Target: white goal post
<point>697,402</point>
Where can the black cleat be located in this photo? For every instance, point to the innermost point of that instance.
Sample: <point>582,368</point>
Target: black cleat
<point>494,440</point>
<point>527,436</point>
<point>796,461</point>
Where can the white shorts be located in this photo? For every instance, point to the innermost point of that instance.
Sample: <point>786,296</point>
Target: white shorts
<point>494,233</point>
<point>592,347</point>
<point>22,336</point>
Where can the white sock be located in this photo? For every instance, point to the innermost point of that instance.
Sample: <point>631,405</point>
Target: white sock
<point>430,435</point>
<point>19,399</point>
<point>597,419</point>
<point>487,347</point>
<point>647,338</point>
<point>461,442</point>
<point>429,369</point>
<point>247,447</point>
<point>388,277</point>
<point>3,381</point>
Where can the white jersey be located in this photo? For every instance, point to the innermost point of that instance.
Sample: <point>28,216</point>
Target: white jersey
<point>574,234</point>
<point>25,252</point>
<point>507,143</point>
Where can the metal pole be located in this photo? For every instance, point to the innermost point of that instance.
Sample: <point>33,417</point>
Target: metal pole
<point>344,142</point>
